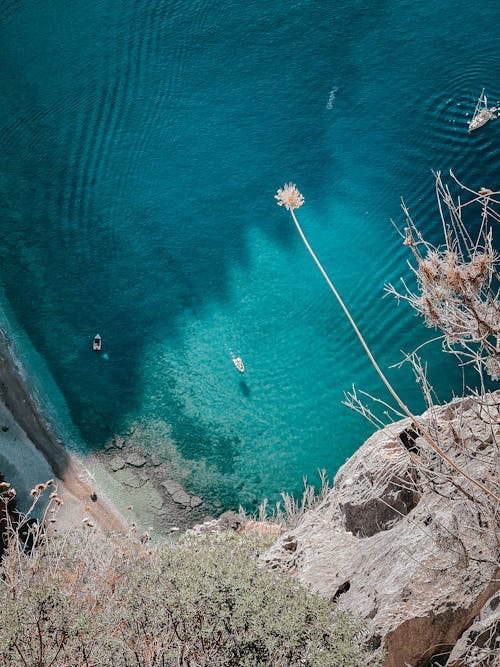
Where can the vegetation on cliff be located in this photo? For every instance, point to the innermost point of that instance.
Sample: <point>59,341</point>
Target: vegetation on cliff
<point>83,600</point>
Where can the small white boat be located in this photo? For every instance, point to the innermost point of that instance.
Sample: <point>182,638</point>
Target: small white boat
<point>238,362</point>
<point>97,343</point>
<point>481,113</point>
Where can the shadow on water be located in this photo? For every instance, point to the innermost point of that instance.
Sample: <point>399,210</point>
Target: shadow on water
<point>245,389</point>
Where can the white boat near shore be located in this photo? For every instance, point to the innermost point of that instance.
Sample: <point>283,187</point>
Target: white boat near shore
<point>482,114</point>
<point>238,362</point>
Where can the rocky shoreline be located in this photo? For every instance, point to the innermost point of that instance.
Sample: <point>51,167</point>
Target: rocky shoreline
<point>32,453</point>
<point>149,485</point>
<point>18,400</point>
<point>398,540</point>
<point>139,480</point>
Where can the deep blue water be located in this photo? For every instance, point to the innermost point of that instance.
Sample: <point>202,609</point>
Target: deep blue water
<point>141,146</point>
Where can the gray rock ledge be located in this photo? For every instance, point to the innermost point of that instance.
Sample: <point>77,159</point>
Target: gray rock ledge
<point>398,540</point>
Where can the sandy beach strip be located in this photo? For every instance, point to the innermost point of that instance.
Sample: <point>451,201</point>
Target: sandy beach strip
<point>29,446</point>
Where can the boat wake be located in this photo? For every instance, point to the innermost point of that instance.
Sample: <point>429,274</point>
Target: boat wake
<point>331,97</point>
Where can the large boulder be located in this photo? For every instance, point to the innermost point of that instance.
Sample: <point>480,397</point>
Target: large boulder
<point>404,541</point>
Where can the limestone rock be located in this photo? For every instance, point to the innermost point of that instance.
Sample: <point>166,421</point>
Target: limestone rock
<point>208,526</point>
<point>155,460</point>
<point>230,520</point>
<point>151,496</point>
<point>177,492</point>
<point>116,463</point>
<point>135,459</point>
<point>398,541</point>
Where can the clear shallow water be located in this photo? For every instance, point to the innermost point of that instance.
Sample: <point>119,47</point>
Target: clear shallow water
<point>141,146</point>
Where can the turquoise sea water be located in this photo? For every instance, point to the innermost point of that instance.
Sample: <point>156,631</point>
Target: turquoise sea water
<point>141,146</point>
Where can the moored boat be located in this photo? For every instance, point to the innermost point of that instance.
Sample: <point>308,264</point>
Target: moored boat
<point>482,114</point>
<point>97,343</point>
<point>238,362</point>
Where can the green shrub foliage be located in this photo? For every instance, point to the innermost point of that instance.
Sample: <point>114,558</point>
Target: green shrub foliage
<point>79,600</point>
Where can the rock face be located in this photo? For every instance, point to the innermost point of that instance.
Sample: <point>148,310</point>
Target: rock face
<point>405,543</point>
<point>481,642</point>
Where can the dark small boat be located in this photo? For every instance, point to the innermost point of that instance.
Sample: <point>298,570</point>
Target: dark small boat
<point>97,343</point>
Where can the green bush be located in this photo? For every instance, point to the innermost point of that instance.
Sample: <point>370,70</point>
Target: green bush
<point>81,600</point>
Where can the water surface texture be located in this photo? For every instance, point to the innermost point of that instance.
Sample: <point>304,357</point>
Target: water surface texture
<point>141,146</point>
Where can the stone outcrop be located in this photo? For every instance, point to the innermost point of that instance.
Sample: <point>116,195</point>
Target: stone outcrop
<point>177,492</point>
<point>481,642</point>
<point>116,463</point>
<point>135,459</point>
<point>404,543</point>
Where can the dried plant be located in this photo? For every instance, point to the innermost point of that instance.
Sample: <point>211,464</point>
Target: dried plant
<point>458,282</point>
<point>288,511</point>
<point>290,197</point>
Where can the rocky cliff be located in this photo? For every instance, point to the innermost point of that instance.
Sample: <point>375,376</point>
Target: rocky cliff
<point>409,545</point>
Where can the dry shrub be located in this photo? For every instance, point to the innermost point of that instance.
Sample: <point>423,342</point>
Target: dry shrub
<point>83,600</point>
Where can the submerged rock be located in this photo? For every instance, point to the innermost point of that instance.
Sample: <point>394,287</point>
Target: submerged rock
<point>119,441</point>
<point>135,459</point>
<point>151,496</point>
<point>128,478</point>
<point>116,463</point>
<point>177,492</point>
<point>155,460</point>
